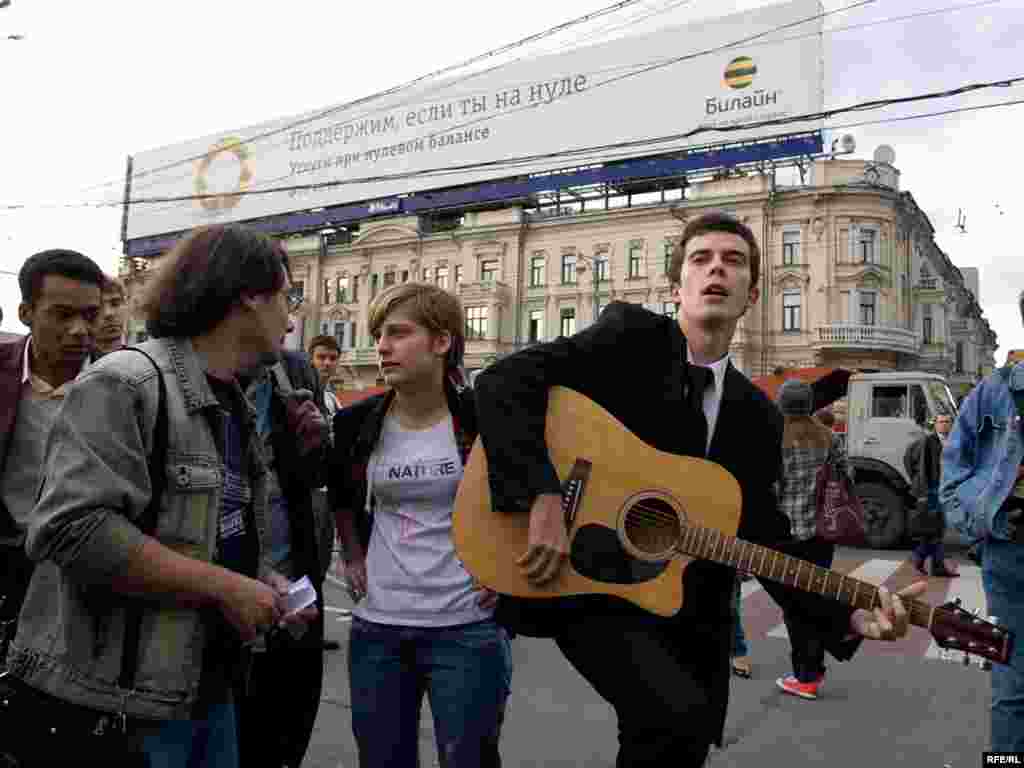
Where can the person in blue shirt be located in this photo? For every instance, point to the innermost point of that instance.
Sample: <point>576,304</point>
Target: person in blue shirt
<point>982,496</point>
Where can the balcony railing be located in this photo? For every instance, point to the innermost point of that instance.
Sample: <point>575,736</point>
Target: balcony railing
<point>850,336</point>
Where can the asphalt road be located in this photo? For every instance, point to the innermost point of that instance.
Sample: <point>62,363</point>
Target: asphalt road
<point>893,704</point>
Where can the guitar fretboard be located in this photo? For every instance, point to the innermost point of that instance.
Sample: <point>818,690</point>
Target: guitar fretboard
<point>710,544</point>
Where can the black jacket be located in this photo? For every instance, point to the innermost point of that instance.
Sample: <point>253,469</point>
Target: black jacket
<point>632,363</point>
<point>300,475</point>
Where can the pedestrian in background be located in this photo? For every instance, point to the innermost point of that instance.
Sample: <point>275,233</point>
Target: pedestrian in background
<point>923,462</point>
<point>806,445</point>
<point>110,327</point>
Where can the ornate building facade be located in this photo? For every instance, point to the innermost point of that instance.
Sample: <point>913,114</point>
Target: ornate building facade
<point>851,274</point>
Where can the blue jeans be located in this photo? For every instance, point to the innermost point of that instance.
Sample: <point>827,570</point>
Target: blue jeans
<point>208,743</point>
<point>1003,576</point>
<point>739,640</point>
<point>466,671</point>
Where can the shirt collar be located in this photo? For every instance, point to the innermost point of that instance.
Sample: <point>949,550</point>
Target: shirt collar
<point>27,375</point>
<point>25,372</point>
<point>717,368</point>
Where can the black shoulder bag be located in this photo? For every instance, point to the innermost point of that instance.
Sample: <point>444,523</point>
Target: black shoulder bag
<point>37,728</point>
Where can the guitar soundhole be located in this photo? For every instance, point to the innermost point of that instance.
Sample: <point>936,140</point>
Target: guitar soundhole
<point>652,527</point>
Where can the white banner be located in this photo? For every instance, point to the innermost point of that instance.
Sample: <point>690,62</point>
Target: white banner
<point>626,92</point>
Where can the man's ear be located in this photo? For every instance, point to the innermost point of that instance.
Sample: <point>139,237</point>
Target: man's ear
<point>25,314</point>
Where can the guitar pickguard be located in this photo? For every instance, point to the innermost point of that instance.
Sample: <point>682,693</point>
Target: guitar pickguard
<point>595,552</point>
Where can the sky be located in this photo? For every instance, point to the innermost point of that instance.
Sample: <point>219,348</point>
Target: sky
<point>93,82</point>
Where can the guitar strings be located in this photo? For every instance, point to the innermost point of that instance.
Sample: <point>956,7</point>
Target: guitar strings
<point>657,516</point>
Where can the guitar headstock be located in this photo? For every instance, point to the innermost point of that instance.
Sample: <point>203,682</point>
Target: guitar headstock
<point>959,632</point>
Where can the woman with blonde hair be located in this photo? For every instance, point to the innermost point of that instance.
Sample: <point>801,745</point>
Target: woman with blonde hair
<point>807,445</point>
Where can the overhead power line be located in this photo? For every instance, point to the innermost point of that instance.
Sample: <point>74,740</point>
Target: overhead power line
<point>415,81</point>
<point>927,114</point>
<point>576,154</point>
<point>642,70</point>
<point>481,57</point>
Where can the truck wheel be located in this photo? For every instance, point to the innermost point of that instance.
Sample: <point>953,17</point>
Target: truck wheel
<point>883,514</point>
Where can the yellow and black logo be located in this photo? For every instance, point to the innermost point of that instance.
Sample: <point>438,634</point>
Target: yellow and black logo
<point>740,72</point>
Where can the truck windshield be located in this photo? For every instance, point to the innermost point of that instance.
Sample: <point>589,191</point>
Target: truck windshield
<point>942,399</point>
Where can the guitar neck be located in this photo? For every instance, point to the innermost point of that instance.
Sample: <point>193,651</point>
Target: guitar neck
<point>710,544</point>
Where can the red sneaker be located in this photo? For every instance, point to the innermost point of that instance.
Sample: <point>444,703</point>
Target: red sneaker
<point>794,687</point>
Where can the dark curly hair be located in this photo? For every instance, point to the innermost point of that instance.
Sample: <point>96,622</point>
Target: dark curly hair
<point>206,274</point>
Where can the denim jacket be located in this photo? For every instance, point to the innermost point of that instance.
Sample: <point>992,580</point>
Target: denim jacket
<point>981,457</point>
<point>83,530</point>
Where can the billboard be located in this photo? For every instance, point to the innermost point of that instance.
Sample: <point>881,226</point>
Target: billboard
<point>629,97</point>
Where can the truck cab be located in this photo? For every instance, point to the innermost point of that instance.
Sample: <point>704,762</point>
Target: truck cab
<point>885,413</point>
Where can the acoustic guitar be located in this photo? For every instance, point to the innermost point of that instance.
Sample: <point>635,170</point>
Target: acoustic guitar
<point>662,511</point>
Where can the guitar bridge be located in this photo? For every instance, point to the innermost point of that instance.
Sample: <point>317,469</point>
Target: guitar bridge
<point>572,491</point>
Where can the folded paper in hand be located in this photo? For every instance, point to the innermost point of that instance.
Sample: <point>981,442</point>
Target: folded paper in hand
<point>300,595</point>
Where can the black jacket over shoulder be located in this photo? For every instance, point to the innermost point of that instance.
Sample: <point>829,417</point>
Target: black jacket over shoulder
<point>632,362</point>
<point>299,475</point>
<point>357,429</point>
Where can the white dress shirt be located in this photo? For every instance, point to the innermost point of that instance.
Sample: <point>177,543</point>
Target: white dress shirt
<point>712,395</point>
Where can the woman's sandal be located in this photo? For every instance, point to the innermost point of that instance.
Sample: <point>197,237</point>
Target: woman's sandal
<point>741,667</point>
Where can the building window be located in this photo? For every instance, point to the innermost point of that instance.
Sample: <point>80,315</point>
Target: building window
<point>536,271</point>
<point>536,332</point>
<point>635,260</point>
<point>791,247</point>
<point>458,274</point>
<point>568,326</point>
<point>339,334</point>
<point>389,279</point>
<point>927,327</point>
<point>426,274</point>
<point>568,268</point>
<point>405,275</point>
<point>868,308</point>
<point>791,311</point>
<point>669,249</point>
<point>341,290</point>
<point>489,270</point>
<point>867,246</point>
<point>355,288</point>
<point>327,291</point>
<point>959,357</point>
<point>441,277</point>
<point>299,287</point>
<point>670,309</point>
<point>601,267</point>
<point>354,339</point>
<point>476,322</point>
<point>374,285</point>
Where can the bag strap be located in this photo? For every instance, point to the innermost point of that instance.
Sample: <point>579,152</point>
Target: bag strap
<point>157,466</point>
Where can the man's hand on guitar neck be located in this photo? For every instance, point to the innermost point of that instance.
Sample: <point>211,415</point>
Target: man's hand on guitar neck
<point>890,620</point>
<point>548,542</point>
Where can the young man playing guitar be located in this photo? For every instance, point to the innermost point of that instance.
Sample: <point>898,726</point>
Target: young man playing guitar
<point>668,383</point>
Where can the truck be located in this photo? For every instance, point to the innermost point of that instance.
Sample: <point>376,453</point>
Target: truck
<point>877,418</point>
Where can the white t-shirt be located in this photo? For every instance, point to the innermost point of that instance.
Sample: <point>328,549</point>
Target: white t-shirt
<point>414,577</point>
